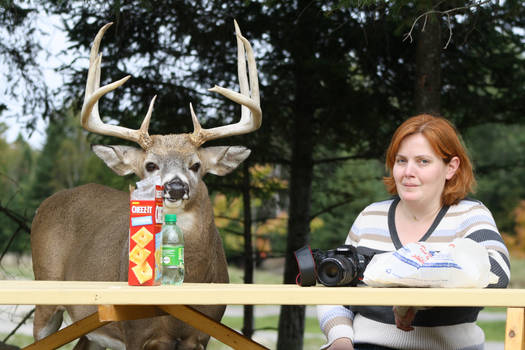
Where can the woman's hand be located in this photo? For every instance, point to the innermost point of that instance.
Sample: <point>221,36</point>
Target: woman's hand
<point>342,344</point>
<point>404,317</point>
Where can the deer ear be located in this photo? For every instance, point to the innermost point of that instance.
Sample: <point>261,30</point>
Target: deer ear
<point>123,160</point>
<point>224,159</point>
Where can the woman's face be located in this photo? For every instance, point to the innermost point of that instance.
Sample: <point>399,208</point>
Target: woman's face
<point>419,173</point>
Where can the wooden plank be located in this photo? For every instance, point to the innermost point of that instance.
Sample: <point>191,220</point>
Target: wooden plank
<point>515,329</point>
<point>127,312</point>
<point>211,327</point>
<point>68,334</point>
<point>119,293</point>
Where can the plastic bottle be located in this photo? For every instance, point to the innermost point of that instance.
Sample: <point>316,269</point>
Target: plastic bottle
<point>172,252</point>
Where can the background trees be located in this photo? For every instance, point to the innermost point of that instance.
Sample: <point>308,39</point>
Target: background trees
<point>336,80</point>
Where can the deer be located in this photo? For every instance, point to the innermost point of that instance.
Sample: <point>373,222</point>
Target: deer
<point>82,233</point>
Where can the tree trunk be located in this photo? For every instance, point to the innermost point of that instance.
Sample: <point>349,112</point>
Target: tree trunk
<point>291,320</point>
<point>427,94</point>
<point>248,321</point>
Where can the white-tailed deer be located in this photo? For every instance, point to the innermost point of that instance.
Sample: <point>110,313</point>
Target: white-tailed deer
<point>82,233</point>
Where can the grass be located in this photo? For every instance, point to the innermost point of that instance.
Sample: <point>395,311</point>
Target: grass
<point>266,332</point>
<point>270,323</point>
<point>494,330</point>
<point>495,309</point>
<point>260,276</point>
<point>517,273</point>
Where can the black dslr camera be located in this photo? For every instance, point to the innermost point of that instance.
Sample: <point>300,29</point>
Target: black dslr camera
<point>342,266</point>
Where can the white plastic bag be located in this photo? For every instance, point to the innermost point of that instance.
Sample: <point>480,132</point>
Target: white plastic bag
<point>146,188</point>
<point>462,264</point>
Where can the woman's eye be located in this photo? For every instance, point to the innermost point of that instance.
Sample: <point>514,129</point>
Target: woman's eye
<point>400,161</point>
<point>195,167</point>
<point>151,167</point>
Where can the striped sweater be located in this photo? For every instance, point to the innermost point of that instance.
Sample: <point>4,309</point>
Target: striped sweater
<point>437,328</point>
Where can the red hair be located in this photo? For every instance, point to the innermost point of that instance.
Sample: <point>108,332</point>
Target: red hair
<point>444,139</point>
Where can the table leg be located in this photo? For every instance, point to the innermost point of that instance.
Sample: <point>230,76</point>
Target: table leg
<point>68,334</point>
<point>515,329</point>
<point>211,327</point>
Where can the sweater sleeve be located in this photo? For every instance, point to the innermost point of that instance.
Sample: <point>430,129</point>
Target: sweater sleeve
<point>479,225</point>
<point>336,321</point>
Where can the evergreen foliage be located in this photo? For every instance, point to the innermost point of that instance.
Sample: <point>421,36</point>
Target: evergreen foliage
<point>16,161</point>
<point>336,77</point>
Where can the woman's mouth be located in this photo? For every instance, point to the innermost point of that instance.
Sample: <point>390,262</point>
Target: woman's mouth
<point>410,185</point>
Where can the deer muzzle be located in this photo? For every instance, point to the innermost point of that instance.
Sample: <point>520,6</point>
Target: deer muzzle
<point>176,190</point>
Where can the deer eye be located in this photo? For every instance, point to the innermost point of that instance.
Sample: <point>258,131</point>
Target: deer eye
<point>150,167</point>
<point>195,167</point>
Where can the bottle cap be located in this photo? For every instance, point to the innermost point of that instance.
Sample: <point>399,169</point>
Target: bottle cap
<point>170,218</point>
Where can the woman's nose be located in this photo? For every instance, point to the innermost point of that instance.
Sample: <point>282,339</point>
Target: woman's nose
<point>409,168</point>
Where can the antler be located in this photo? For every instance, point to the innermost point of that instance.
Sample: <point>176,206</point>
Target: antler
<point>90,117</point>
<point>249,121</point>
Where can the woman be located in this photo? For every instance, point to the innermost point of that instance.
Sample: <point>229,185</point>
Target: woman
<point>430,176</point>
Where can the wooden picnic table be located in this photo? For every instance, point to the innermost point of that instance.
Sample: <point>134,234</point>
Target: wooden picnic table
<point>118,301</point>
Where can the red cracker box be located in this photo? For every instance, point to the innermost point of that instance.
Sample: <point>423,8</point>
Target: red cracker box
<point>145,223</point>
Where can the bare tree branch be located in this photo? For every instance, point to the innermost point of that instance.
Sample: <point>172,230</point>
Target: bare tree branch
<point>11,240</point>
<point>22,223</point>
<point>13,332</point>
<point>19,219</point>
<point>447,13</point>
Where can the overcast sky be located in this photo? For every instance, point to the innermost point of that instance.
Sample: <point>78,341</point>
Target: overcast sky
<point>54,40</point>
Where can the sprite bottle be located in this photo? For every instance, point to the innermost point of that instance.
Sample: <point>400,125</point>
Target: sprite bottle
<point>172,252</point>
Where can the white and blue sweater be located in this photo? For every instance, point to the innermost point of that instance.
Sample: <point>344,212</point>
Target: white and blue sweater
<point>436,328</point>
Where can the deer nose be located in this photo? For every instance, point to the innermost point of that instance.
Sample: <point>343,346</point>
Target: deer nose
<point>176,189</point>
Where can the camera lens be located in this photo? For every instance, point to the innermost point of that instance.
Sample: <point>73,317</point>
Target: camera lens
<point>335,271</point>
<point>331,270</point>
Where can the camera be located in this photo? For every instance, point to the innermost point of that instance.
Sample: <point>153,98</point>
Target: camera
<point>342,266</point>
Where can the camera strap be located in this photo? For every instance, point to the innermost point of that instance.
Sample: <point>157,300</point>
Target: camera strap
<point>306,264</point>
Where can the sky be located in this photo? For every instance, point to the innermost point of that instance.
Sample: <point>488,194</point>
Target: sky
<point>53,38</point>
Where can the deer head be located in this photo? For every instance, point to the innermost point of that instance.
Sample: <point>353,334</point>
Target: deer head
<point>179,159</point>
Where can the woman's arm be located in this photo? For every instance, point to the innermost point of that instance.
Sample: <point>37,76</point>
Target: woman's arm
<point>336,322</point>
<point>481,228</point>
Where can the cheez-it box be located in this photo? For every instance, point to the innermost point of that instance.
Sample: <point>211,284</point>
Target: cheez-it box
<point>145,223</point>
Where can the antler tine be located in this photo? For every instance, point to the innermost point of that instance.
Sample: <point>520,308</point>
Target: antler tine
<point>90,117</point>
<point>248,98</point>
<point>196,126</point>
<point>241,71</point>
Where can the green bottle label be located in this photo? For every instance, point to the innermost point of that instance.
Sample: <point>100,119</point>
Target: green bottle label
<point>172,255</point>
